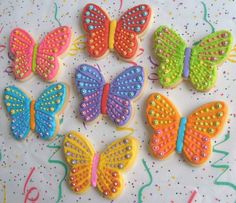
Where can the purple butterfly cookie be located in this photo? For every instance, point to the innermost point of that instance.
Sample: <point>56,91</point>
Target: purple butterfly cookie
<point>112,99</point>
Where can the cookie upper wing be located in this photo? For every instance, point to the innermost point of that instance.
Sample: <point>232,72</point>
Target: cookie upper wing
<point>164,118</point>
<point>89,82</point>
<point>96,24</point>
<point>52,46</point>
<point>210,52</point>
<point>169,48</point>
<point>79,155</point>
<point>203,124</point>
<point>133,23</point>
<point>125,87</point>
<point>47,107</point>
<point>117,158</point>
<point>18,105</point>
<point>21,45</point>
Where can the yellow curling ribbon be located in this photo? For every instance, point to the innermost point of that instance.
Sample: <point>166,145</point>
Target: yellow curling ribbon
<point>130,130</point>
<point>32,115</point>
<point>232,55</point>
<point>112,34</point>
<point>79,44</point>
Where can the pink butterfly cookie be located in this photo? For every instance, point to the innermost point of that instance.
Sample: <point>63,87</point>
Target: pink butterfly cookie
<point>42,58</point>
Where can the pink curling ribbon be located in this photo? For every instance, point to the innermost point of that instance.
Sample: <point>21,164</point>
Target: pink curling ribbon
<point>94,169</point>
<point>30,190</point>
<point>192,196</point>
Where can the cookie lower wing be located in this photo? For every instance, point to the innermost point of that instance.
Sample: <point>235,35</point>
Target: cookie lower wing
<point>22,47</point>
<point>203,124</point>
<point>52,46</point>
<point>89,82</point>
<point>18,105</point>
<point>49,104</point>
<point>79,155</point>
<point>169,48</point>
<point>132,23</point>
<point>125,87</point>
<point>117,158</point>
<point>210,52</point>
<point>96,24</point>
<point>164,118</point>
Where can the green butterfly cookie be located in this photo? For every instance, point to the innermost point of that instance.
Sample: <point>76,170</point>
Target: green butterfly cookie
<point>198,64</point>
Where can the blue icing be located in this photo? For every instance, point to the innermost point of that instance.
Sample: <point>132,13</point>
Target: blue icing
<point>18,105</point>
<point>181,133</point>
<point>48,104</point>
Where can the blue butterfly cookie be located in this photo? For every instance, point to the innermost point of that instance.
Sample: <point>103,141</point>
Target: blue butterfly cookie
<point>38,115</point>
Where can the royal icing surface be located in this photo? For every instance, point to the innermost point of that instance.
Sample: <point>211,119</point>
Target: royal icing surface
<point>121,35</point>
<point>112,99</point>
<point>188,135</point>
<point>102,170</point>
<point>198,64</point>
<point>40,115</point>
<point>42,59</point>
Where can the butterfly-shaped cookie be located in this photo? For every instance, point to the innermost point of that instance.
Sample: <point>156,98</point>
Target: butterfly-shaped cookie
<point>102,170</point>
<point>112,99</point>
<point>190,135</point>
<point>121,36</point>
<point>40,116</point>
<point>42,58</point>
<point>198,64</point>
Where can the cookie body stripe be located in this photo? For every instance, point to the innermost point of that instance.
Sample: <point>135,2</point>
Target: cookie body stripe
<point>32,115</point>
<point>94,169</point>
<point>34,57</point>
<point>181,133</point>
<point>105,93</point>
<point>112,34</point>
<point>187,56</point>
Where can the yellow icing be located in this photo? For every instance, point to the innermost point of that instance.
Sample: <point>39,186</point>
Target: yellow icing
<point>112,34</point>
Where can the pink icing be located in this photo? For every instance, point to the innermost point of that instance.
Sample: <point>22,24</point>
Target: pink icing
<point>94,169</point>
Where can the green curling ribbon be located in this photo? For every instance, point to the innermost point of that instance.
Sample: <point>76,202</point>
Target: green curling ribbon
<point>55,15</point>
<point>140,192</point>
<point>222,166</point>
<point>55,161</point>
<point>206,20</point>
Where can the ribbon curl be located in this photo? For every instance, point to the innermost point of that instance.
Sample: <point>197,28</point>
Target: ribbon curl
<point>55,14</point>
<point>79,44</point>
<point>232,56</point>
<point>140,192</point>
<point>225,167</point>
<point>55,161</point>
<point>206,20</point>
<point>31,189</point>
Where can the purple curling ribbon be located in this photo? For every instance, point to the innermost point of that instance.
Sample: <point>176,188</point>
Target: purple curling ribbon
<point>187,55</point>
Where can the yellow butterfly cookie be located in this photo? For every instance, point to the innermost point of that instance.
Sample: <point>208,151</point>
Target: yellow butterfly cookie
<point>101,170</point>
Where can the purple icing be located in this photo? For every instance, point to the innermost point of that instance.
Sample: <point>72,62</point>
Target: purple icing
<point>126,86</point>
<point>187,55</point>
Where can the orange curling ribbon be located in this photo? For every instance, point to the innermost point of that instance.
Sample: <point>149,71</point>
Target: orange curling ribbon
<point>32,115</point>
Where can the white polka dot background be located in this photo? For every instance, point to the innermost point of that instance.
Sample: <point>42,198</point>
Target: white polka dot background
<point>34,170</point>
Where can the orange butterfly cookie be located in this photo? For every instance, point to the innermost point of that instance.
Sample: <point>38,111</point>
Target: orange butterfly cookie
<point>188,135</point>
<point>102,170</point>
<point>42,58</point>
<point>121,36</point>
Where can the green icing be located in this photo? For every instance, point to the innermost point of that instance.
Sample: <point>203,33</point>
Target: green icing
<point>169,48</point>
<point>206,55</point>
